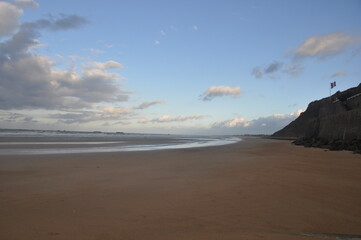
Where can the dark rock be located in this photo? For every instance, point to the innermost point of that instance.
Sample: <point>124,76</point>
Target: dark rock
<point>333,122</point>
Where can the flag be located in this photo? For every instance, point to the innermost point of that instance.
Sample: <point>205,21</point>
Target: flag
<point>333,84</point>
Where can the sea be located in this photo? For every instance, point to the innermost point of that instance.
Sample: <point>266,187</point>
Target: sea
<point>38,142</point>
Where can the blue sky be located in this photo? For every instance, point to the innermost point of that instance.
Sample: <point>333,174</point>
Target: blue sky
<point>205,67</point>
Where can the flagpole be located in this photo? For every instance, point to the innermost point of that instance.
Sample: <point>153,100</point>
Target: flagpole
<point>332,85</point>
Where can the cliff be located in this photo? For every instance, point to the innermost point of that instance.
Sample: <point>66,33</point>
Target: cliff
<point>333,122</point>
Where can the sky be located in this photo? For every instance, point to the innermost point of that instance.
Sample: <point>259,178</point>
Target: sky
<point>177,67</point>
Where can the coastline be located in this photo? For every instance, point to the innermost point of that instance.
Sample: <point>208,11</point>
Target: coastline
<point>254,189</point>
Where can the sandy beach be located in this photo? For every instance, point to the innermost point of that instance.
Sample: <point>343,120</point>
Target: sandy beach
<point>254,189</point>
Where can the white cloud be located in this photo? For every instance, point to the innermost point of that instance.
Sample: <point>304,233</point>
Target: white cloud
<point>195,28</point>
<point>168,118</point>
<point>323,46</point>
<point>236,122</point>
<point>162,32</point>
<point>9,18</point>
<point>148,104</point>
<point>156,42</point>
<point>113,110</point>
<point>338,74</point>
<point>220,91</point>
<point>107,65</point>
<point>294,114</point>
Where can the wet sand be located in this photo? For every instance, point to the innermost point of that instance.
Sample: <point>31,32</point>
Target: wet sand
<point>254,189</point>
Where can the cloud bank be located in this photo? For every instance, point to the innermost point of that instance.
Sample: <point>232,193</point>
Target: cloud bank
<point>97,113</point>
<point>262,125</point>
<point>9,117</point>
<point>220,91</point>
<point>32,81</point>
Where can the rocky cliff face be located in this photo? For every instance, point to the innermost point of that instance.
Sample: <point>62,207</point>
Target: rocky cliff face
<point>333,122</point>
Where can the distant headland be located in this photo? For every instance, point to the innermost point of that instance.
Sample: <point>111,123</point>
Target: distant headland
<point>333,123</point>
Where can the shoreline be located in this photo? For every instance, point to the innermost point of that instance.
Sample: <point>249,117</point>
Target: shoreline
<point>42,146</point>
<point>254,189</point>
